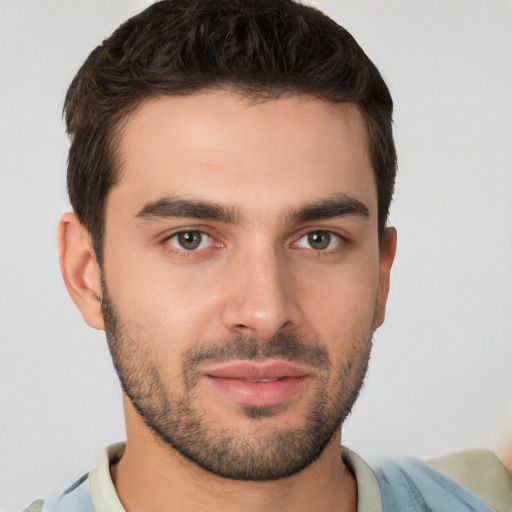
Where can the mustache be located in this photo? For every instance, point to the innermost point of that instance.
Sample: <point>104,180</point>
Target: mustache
<point>291,347</point>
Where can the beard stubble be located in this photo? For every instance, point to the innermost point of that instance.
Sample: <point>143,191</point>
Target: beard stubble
<point>171,416</point>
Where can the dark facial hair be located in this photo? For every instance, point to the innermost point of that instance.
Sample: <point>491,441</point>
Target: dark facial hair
<point>174,417</point>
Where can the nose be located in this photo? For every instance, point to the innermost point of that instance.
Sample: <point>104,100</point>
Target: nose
<point>262,298</point>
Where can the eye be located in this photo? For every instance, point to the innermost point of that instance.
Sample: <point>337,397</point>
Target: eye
<point>320,240</point>
<point>190,240</point>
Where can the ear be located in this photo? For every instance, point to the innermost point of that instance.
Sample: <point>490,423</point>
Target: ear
<point>80,269</point>
<point>387,255</point>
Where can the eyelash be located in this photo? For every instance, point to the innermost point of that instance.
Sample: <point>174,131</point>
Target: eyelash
<point>182,251</point>
<point>340,242</point>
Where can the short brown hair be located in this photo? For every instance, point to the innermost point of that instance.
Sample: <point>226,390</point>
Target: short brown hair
<point>260,48</point>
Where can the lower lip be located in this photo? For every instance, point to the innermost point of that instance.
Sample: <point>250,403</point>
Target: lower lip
<point>259,393</point>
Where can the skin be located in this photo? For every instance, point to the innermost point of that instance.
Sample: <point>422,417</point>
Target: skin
<point>256,275</point>
<point>506,454</point>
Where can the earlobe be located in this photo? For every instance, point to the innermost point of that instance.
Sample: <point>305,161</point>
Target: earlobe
<point>80,269</point>
<point>387,256</point>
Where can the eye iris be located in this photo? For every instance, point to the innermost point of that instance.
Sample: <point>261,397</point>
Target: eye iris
<point>319,240</point>
<point>189,240</point>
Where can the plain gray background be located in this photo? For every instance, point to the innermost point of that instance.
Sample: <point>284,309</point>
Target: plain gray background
<point>441,373</point>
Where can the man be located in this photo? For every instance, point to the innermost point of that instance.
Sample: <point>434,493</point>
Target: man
<point>231,170</point>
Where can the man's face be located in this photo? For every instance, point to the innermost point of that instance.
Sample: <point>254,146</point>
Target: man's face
<point>242,276</point>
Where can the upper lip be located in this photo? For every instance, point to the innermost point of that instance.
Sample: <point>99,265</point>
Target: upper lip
<point>253,370</point>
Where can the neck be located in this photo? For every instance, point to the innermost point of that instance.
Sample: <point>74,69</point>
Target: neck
<point>153,476</point>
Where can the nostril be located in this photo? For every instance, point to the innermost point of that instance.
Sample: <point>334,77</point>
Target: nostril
<point>243,329</point>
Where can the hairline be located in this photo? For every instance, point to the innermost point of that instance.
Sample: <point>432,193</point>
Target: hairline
<point>255,96</point>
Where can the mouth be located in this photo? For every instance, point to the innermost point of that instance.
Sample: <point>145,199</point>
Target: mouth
<point>257,383</point>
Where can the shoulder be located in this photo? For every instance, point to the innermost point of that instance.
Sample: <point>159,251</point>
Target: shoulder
<point>93,491</point>
<point>76,498</point>
<point>474,480</point>
<point>36,506</point>
<point>482,473</point>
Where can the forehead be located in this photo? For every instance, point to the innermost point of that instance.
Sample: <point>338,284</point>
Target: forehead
<point>221,147</point>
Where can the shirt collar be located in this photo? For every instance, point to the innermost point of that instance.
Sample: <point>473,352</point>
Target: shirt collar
<point>105,498</point>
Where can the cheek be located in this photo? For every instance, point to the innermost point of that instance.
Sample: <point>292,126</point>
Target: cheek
<point>341,309</point>
<point>167,303</point>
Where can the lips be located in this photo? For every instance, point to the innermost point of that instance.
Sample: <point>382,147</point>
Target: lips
<point>257,384</point>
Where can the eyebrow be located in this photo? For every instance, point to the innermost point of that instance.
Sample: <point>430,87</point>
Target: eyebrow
<point>168,207</point>
<point>337,205</point>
